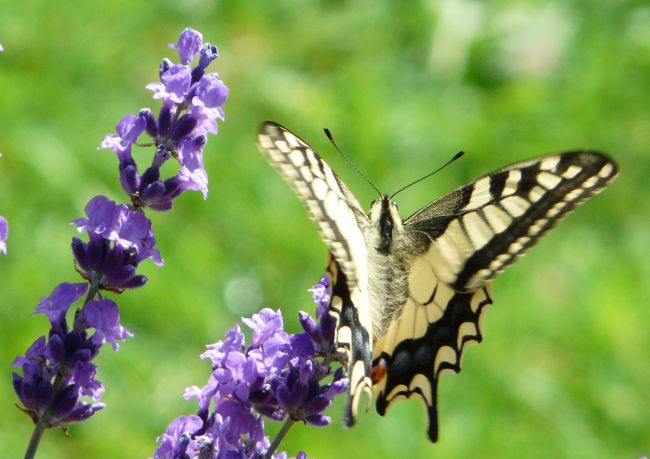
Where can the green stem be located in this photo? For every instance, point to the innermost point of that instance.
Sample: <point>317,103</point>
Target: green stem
<point>35,440</point>
<point>42,423</point>
<point>283,431</point>
<point>92,291</point>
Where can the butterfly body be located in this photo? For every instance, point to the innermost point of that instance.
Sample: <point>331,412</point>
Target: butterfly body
<point>409,294</point>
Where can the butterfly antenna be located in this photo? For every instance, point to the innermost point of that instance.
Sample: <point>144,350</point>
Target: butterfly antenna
<point>350,163</point>
<point>456,156</point>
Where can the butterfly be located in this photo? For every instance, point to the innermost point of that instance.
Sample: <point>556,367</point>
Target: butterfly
<point>408,294</point>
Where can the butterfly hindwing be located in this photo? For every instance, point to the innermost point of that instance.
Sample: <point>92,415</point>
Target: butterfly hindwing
<point>422,342</point>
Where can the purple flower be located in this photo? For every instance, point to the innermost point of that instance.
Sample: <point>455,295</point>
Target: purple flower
<point>102,215</point>
<point>321,333</point>
<point>4,234</point>
<point>211,93</point>
<point>175,82</point>
<point>192,103</point>
<point>192,175</point>
<point>177,437</point>
<point>119,239</point>
<point>301,395</point>
<point>105,266</point>
<point>84,376</point>
<point>277,376</point>
<point>55,377</point>
<point>236,374</point>
<point>129,229</point>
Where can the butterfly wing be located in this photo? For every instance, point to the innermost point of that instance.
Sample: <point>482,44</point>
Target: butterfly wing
<point>341,222</point>
<point>459,244</point>
<point>481,228</point>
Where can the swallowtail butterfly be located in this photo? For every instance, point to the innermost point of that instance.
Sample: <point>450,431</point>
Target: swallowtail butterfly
<point>408,294</point>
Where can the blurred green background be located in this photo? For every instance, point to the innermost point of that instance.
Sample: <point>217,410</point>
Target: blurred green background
<point>564,370</point>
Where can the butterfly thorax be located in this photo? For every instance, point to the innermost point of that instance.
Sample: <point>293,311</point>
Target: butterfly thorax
<point>387,263</point>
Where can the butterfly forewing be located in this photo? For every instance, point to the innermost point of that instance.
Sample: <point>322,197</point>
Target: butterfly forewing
<point>476,231</point>
<point>330,204</point>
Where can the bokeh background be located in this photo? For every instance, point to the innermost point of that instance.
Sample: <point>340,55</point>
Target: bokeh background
<point>564,370</point>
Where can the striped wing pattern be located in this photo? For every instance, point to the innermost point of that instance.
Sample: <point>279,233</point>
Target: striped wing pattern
<point>461,242</point>
<point>476,231</point>
<point>341,222</point>
<point>337,213</point>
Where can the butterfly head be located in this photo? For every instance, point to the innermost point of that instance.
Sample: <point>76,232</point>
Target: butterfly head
<point>386,222</point>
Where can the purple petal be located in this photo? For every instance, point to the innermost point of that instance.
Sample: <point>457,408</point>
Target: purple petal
<point>84,375</point>
<point>302,346</point>
<point>150,122</point>
<point>104,316</point>
<point>211,93</point>
<point>101,213</point>
<point>130,127</point>
<point>130,179</point>
<point>55,350</point>
<point>264,324</point>
<point>57,304</point>
<point>322,295</point>
<point>64,402</point>
<point>175,84</point>
<point>189,43</point>
<point>134,231</point>
<point>82,412</point>
<point>183,128</point>
<point>196,180</point>
<point>318,420</point>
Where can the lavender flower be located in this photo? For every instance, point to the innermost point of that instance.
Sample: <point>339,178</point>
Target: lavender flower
<point>192,103</point>
<point>58,384</point>
<point>279,376</point>
<point>119,239</point>
<point>4,234</point>
<point>57,372</point>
